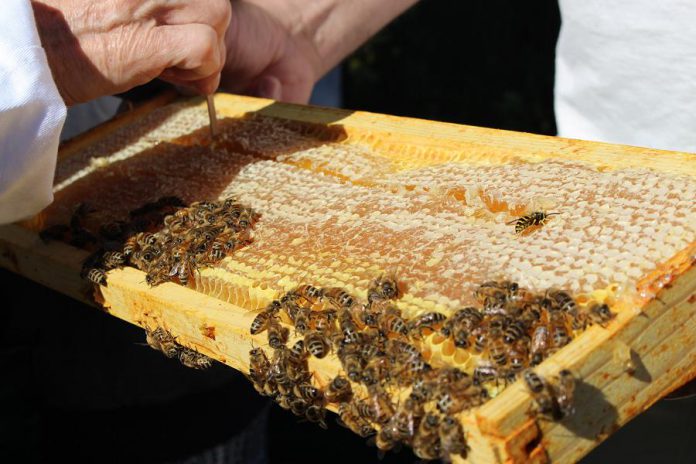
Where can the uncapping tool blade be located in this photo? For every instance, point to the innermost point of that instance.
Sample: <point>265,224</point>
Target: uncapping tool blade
<point>210,99</point>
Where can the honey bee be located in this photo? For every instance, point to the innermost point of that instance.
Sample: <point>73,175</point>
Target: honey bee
<point>426,443</point>
<point>351,419</point>
<point>490,289</point>
<point>565,388</point>
<point>432,321</point>
<point>309,393</point>
<point>317,414</point>
<point>382,288</point>
<point>96,276</point>
<point>310,293</point>
<point>547,406</point>
<point>353,365</point>
<point>348,327</point>
<point>514,331</point>
<point>302,320</point>
<point>131,246</point>
<point>391,322</point>
<point>317,344</point>
<point>560,335</point>
<point>398,350</point>
<point>498,352</point>
<point>297,354</point>
<point>273,307</point>
<point>482,339</point>
<point>339,390</point>
<point>422,390</point>
<point>113,259</point>
<point>146,239</point>
<point>298,406</point>
<point>339,298</point>
<point>484,373</point>
<point>536,218</point>
<point>380,404</point>
<point>452,440</point>
<point>154,278</point>
<point>163,341</point>
<point>277,334</point>
<point>600,314</point>
<point>563,301</point>
<point>193,359</point>
<point>182,270</point>
<point>403,425</point>
<point>539,344</point>
<point>386,438</point>
<point>465,319</point>
<point>261,322</point>
<point>259,367</point>
<point>322,321</point>
<point>518,355</point>
<point>376,371</point>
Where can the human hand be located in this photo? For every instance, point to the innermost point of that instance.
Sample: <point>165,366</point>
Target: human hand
<point>102,47</point>
<point>267,56</point>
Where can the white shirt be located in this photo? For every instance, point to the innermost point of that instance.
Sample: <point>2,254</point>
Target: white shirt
<point>626,72</point>
<point>31,115</point>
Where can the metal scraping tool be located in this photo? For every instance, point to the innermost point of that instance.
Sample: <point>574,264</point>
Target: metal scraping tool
<point>210,99</point>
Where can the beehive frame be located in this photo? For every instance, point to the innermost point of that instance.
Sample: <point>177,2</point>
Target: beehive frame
<point>643,355</point>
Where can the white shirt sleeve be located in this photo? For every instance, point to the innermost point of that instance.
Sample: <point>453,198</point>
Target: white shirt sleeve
<point>32,114</point>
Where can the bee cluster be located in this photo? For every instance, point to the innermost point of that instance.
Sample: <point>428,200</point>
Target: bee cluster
<point>166,239</point>
<point>193,237</point>
<point>163,341</point>
<point>400,397</point>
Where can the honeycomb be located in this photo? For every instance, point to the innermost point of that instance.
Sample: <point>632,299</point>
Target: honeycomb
<point>344,211</point>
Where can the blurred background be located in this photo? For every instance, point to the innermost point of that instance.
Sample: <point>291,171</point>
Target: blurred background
<point>479,63</point>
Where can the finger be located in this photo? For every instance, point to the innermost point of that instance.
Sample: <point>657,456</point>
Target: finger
<point>194,51</point>
<point>215,13</point>
<point>205,86</point>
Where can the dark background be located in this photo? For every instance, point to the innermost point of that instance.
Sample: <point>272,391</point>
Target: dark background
<point>481,63</point>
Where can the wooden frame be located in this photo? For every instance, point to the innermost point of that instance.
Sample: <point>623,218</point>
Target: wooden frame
<point>646,353</point>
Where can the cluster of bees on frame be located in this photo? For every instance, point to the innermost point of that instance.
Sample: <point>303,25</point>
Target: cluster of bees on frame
<point>166,239</point>
<point>388,390</point>
<point>163,341</point>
